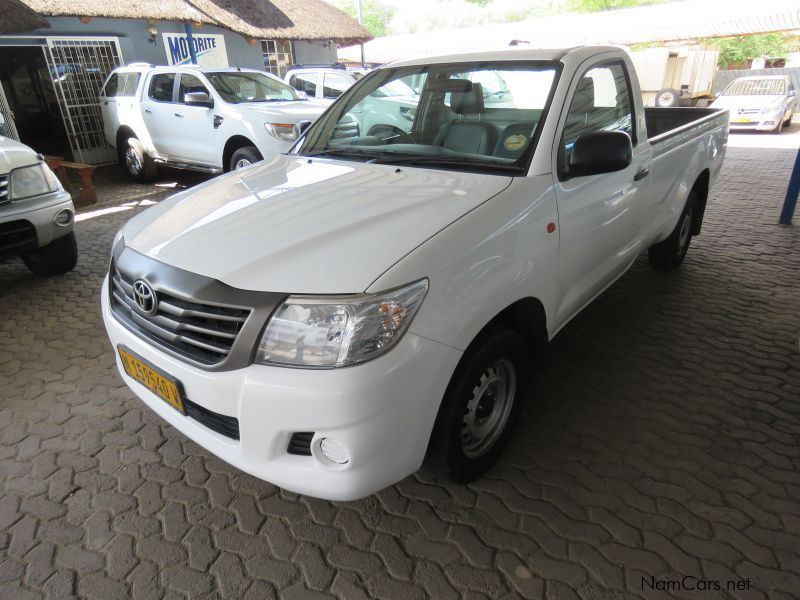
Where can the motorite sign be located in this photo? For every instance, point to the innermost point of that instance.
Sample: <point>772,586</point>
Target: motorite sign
<point>209,48</point>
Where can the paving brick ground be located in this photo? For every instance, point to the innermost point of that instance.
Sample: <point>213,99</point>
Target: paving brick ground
<point>663,443</point>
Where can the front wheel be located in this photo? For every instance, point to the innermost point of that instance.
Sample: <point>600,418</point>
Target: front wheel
<point>244,157</point>
<point>480,406</point>
<point>138,165</point>
<point>58,257</point>
<point>669,254</point>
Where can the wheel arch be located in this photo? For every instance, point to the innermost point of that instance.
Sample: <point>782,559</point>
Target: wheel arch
<point>701,188</point>
<point>124,133</point>
<point>232,145</point>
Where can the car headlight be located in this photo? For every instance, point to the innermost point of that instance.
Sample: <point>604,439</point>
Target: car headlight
<point>317,332</point>
<point>282,131</point>
<point>117,239</point>
<point>772,109</point>
<point>35,180</point>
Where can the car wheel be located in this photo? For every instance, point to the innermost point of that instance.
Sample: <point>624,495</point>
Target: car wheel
<point>58,257</point>
<point>669,254</point>
<point>480,406</point>
<point>667,98</point>
<point>137,164</point>
<point>244,157</point>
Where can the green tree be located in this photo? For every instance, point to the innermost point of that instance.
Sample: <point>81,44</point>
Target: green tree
<point>376,15</point>
<point>743,48</point>
<point>598,5</point>
<point>479,2</point>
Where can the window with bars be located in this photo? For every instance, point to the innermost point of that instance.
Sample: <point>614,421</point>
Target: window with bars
<point>277,55</point>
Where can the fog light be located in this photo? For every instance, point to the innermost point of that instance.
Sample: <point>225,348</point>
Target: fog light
<point>63,217</point>
<point>334,451</point>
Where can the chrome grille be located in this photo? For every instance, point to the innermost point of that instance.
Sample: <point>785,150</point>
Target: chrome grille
<point>4,189</point>
<point>202,332</point>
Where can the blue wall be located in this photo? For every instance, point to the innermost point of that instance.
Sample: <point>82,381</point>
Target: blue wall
<point>136,46</point>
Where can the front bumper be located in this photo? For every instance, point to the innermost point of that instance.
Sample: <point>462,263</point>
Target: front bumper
<point>382,411</point>
<point>40,212</point>
<point>758,122</point>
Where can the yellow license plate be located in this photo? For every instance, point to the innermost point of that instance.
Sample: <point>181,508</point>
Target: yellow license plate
<point>162,385</point>
<point>740,120</point>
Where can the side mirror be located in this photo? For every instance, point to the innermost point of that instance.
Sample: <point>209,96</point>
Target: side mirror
<point>198,99</point>
<point>302,126</point>
<point>600,152</point>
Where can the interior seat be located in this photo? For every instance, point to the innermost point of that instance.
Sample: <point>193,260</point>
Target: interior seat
<point>468,136</point>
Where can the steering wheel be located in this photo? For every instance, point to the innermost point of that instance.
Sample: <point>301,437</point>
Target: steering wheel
<point>391,134</point>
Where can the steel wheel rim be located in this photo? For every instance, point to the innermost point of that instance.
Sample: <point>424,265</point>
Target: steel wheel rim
<point>488,408</point>
<point>241,164</point>
<point>683,236</point>
<point>132,160</point>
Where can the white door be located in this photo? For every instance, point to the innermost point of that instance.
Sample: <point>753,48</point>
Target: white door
<point>158,112</point>
<point>600,216</point>
<point>193,126</point>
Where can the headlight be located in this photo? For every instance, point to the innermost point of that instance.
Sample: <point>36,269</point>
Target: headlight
<point>34,180</point>
<point>282,131</point>
<point>774,108</point>
<point>311,331</point>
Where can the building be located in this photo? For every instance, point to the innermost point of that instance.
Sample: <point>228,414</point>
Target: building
<point>51,75</point>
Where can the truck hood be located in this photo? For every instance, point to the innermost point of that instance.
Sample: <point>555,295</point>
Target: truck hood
<point>746,102</point>
<point>283,112</point>
<point>297,225</point>
<point>13,155</point>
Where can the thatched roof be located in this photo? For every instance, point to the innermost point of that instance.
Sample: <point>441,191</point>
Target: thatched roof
<point>17,17</point>
<point>276,19</point>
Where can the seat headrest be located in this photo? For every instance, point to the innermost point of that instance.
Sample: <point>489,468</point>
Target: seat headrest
<point>584,94</point>
<point>468,103</point>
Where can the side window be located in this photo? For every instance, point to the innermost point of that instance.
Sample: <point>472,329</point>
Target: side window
<point>190,83</point>
<point>334,85</point>
<point>110,89</point>
<point>305,82</point>
<point>602,102</point>
<point>128,82</point>
<point>161,86</point>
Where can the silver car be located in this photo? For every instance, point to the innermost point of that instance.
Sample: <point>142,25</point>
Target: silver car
<point>763,103</point>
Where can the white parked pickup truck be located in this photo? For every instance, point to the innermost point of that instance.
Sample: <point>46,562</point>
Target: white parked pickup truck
<point>36,213</point>
<point>199,118</point>
<point>325,320</point>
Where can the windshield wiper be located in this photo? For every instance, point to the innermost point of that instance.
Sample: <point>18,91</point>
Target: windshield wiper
<point>454,161</point>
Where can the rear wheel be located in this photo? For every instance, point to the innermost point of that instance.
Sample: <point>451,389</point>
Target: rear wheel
<point>58,257</point>
<point>669,254</point>
<point>244,157</point>
<point>139,166</point>
<point>480,406</point>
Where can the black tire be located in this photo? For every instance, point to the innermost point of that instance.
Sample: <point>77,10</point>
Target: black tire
<point>669,253</point>
<point>137,164</point>
<point>454,451</point>
<point>246,154</point>
<point>58,257</point>
<point>668,98</point>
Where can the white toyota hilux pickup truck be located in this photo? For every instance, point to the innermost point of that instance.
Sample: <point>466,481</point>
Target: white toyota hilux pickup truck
<point>199,118</point>
<point>326,319</point>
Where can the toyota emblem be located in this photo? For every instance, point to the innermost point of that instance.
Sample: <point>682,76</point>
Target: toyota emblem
<point>145,297</point>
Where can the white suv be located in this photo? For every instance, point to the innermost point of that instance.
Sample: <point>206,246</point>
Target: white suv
<point>200,118</point>
<point>322,83</point>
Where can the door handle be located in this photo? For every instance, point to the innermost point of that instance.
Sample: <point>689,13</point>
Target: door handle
<point>641,174</point>
<point>148,111</point>
<point>179,115</point>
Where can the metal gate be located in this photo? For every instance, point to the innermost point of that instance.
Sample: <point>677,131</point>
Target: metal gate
<point>79,67</point>
<point>9,129</point>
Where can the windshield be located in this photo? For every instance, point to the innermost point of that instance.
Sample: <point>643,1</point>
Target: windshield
<point>481,117</point>
<point>247,86</point>
<point>756,87</point>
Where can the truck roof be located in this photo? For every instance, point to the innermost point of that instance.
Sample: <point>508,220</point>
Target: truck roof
<point>545,54</point>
